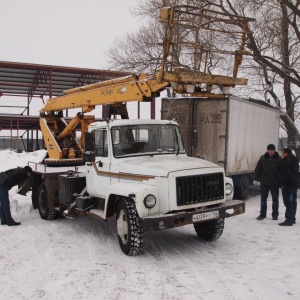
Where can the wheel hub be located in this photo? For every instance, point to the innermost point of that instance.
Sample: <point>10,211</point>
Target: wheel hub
<point>122,227</point>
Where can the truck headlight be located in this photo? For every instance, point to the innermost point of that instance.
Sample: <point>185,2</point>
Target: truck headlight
<point>229,189</point>
<point>150,201</point>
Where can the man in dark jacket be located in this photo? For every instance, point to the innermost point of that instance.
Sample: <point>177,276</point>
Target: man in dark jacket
<point>267,173</point>
<point>8,179</point>
<point>289,174</point>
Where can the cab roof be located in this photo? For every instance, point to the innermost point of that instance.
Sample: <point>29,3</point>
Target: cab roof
<point>123,122</point>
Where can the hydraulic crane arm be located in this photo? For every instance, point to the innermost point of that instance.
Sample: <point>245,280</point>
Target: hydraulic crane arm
<point>194,79</point>
<point>60,137</point>
<point>125,89</point>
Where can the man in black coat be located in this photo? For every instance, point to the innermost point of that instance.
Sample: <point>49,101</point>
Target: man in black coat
<point>267,173</point>
<point>8,179</point>
<point>289,176</point>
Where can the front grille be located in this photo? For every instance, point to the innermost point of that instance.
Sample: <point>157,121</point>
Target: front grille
<point>199,188</point>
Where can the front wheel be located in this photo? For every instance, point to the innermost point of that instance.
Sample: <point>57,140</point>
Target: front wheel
<point>44,210</point>
<point>129,228</point>
<point>210,230</point>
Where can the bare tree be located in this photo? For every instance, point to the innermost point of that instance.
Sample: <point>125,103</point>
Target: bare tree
<point>275,55</point>
<point>137,52</point>
<point>273,64</point>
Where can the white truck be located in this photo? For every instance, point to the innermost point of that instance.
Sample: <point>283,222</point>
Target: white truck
<point>138,172</point>
<point>229,131</point>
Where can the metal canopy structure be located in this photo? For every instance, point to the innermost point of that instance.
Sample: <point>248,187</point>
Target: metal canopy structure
<point>34,80</point>
<point>23,123</point>
<point>43,81</point>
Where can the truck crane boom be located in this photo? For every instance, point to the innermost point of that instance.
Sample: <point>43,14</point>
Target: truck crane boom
<point>60,137</point>
<point>129,88</point>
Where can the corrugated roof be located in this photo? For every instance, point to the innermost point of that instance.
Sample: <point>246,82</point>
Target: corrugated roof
<point>41,80</point>
<point>35,80</point>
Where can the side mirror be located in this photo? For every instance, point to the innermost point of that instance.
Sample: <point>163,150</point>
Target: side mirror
<point>89,155</point>
<point>88,141</point>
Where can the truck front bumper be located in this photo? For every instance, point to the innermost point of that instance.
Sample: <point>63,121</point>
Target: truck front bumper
<point>220,211</point>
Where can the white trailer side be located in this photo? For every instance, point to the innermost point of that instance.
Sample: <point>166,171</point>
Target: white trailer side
<point>251,127</point>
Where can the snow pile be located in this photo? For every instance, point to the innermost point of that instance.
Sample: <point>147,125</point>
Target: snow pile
<point>81,259</point>
<point>11,159</point>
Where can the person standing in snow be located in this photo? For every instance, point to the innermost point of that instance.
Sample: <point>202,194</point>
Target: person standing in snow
<point>289,174</point>
<point>8,179</point>
<point>267,173</point>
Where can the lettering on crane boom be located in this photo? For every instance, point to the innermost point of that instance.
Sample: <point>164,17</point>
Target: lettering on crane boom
<point>107,91</point>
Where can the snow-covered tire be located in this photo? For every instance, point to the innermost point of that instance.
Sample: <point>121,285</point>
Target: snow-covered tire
<point>210,230</point>
<point>44,210</point>
<point>129,228</point>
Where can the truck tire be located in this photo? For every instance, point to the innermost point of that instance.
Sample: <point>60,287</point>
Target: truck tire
<point>210,230</point>
<point>241,191</point>
<point>129,228</point>
<point>34,197</point>
<point>44,210</point>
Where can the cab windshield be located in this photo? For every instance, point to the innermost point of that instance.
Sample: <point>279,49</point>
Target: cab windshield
<point>149,139</point>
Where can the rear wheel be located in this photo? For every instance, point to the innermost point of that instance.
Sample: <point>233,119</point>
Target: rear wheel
<point>211,230</point>
<point>44,210</point>
<point>129,228</point>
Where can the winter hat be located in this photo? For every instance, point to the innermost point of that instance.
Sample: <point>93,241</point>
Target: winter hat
<point>271,147</point>
<point>27,169</point>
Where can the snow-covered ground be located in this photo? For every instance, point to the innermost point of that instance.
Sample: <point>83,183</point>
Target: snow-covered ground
<point>81,259</point>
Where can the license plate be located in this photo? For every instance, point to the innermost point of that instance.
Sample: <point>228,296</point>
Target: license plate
<point>206,216</point>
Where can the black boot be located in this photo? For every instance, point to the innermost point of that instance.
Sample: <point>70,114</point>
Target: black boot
<point>286,223</point>
<point>13,223</point>
<point>3,222</point>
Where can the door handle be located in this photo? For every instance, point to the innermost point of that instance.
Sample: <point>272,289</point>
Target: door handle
<point>195,138</point>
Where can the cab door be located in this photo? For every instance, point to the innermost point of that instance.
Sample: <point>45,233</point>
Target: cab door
<point>98,171</point>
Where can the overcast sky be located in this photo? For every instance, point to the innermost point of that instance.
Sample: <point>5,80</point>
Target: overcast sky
<point>72,33</point>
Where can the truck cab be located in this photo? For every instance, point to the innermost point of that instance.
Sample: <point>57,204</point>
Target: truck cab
<point>138,158</point>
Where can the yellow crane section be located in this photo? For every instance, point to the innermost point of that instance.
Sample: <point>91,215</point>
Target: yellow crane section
<point>129,88</point>
<point>60,137</point>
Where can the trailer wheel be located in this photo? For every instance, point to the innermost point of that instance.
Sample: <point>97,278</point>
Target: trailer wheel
<point>210,230</point>
<point>129,228</point>
<point>241,191</point>
<point>44,210</point>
